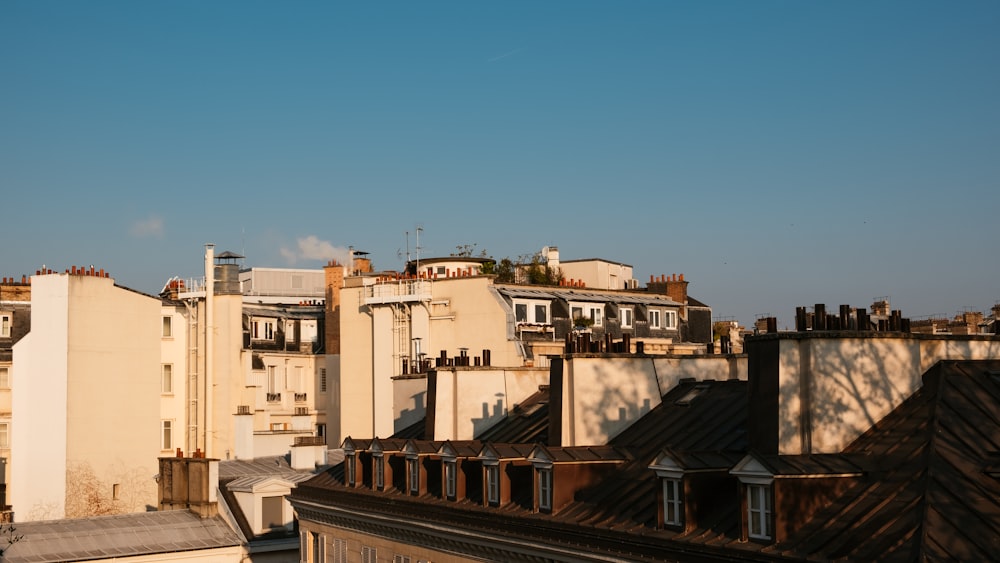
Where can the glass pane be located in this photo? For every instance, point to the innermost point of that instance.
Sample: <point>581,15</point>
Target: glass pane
<point>541,314</point>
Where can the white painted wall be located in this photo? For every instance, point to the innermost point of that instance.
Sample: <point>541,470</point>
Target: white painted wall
<point>849,384</point>
<point>471,400</point>
<point>604,395</point>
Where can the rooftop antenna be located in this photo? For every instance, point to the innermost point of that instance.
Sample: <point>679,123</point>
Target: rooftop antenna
<point>419,228</point>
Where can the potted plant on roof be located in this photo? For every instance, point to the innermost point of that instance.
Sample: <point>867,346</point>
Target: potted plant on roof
<point>581,323</point>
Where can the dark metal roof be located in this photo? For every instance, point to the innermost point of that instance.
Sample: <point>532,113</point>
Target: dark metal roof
<point>927,495</point>
<point>526,423</point>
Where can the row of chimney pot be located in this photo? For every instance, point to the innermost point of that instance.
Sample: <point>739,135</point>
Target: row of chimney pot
<point>197,453</point>
<point>861,320</point>
<point>423,365</point>
<point>11,281</point>
<point>666,278</point>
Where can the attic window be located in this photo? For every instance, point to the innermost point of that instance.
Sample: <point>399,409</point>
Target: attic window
<point>691,395</point>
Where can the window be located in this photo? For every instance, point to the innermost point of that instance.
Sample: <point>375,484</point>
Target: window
<point>167,379</point>
<point>588,311</point>
<point>541,314</point>
<point>493,484</point>
<point>4,435</point>
<point>167,330</point>
<point>400,558</point>
<point>521,312</point>
<point>654,319</point>
<point>350,470</point>
<point>368,554</point>
<point>4,377</point>
<point>626,317</point>
<point>319,548</point>
<point>759,511</point>
<point>339,550</point>
<point>413,465</point>
<point>5,326</point>
<point>545,489</point>
<point>322,380</point>
<point>531,312</point>
<point>271,512</point>
<point>450,480</point>
<point>116,491</point>
<point>166,439</point>
<point>263,330</point>
<point>379,472</point>
<point>670,319</point>
<point>672,515</point>
<point>273,385</point>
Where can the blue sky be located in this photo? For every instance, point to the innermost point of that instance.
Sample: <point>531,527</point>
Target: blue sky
<point>777,153</point>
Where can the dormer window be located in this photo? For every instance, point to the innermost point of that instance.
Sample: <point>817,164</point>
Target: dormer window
<point>350,469</point>
<point>673,513</point>
<point>531,312</point>
<point>545,489</point>
<point>756,480</point>
<point>413,475</point>
<point>450,480</point>
<point>379,471</point>
<point>759,511</point>
<point>590,311</point>
<point>671,476</point>
<point>626,316</point>
<point>493,484</point>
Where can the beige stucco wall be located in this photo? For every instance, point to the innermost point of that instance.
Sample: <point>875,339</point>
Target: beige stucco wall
<point>470,400</point>
<point>90,400</point>
<point>385,549</point>
<point>603,395</point>
<point>174,351</point>
<point>831,390</point>
<point>376,337</point>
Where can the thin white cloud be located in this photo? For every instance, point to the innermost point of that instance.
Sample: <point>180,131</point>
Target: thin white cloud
<point>505,55</point>
<point>312,248</point>
<point>149,227</point>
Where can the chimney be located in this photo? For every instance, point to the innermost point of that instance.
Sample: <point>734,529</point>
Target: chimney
<point>189,483</point>
<point>334,277</point>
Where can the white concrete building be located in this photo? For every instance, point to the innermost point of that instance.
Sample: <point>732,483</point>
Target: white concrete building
<point>86,407</point>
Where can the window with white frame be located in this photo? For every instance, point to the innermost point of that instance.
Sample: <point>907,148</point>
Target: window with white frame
<point>591,311</point>
<point>625,314</point>
<point>758,511</point>
<point>493,484</point>
<point>350,469</point>
<point>531,311</point>
<point>673,514</point>
<point>450,479</point>
<point>670,319</point>
<point>545,488</point>
<point>654,319</point>
<point>273,385</point>
<point>263,329</point>
<point>369,554</point>
<point>4,435</point>
<point>379,471</point>
<point>167,328</point>
<point>4,377</point>
<point>5,320</point>
<point>413,475</point>
<point>167,379</point>
<point>166,435</point>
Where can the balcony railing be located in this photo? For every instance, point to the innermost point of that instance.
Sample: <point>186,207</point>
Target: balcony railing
<point>398,291</point>
<point>274,397</point>
<point>300,397</point>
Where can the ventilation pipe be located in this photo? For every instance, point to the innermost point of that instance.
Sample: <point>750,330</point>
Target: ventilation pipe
<point>209,342</point>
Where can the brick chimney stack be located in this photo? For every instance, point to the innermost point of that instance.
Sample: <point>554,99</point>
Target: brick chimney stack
<point>334,277</point>
<point>673,286</point>
<point>189,483</point>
